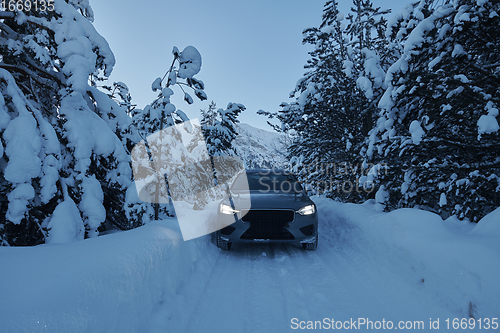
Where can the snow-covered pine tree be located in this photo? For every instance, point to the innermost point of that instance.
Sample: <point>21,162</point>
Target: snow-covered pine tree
<point>219,128</point>
<point>322,116</point>
<point>368,56</point>
<point>120,93</point>
<point>399,27</point>
<point>115,108</point>
<point>208,116</point>
<point>336,99</point>
<point>155,118</point>
<point>439,127</point>
<point>61,148</point>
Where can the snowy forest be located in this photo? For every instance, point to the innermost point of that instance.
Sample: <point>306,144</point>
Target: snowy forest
<point>67,135</point>
<point>403,111</point>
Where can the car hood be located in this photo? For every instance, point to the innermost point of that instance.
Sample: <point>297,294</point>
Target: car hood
<point>271,200</point>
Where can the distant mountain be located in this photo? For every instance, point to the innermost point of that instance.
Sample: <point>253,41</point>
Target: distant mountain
<point>260,148</point>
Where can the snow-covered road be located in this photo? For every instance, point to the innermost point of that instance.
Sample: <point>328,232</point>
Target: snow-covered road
<point>262,288</point>
<point>389,269</point>
<point>281,288</point>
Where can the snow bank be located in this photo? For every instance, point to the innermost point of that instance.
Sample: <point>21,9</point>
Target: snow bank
<point>456,266</point>
<point>107,284</point>
<point>489,225</point>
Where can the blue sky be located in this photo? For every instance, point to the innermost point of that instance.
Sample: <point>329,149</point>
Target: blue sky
<point>252,51</point>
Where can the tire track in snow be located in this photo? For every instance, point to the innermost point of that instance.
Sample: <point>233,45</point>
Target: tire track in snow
<point>291,288</point>
<point>325,295</point>
<point>364,297</point>
<point>171,314</point>
<point>265,296</point>
<point>221,302</point>
<point>270,290</point>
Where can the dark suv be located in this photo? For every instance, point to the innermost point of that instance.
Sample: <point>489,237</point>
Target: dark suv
<point>267,205</point>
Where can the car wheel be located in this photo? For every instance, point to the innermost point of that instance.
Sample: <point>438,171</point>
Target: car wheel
<point>222,244</point>
<point>312,246</point>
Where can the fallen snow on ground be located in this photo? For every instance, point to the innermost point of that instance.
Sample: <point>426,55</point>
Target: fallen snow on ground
<point>407,265</point>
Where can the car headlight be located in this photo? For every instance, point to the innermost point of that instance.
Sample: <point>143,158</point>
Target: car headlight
<point>307,210</point>
<point>226,209</point>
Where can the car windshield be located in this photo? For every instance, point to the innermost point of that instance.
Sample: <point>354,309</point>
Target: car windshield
<point>267,183</point>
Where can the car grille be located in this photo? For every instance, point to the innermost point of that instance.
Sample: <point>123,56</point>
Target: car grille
<point>268,224</point>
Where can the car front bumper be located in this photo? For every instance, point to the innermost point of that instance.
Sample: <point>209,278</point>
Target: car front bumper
<point>303,228</point>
